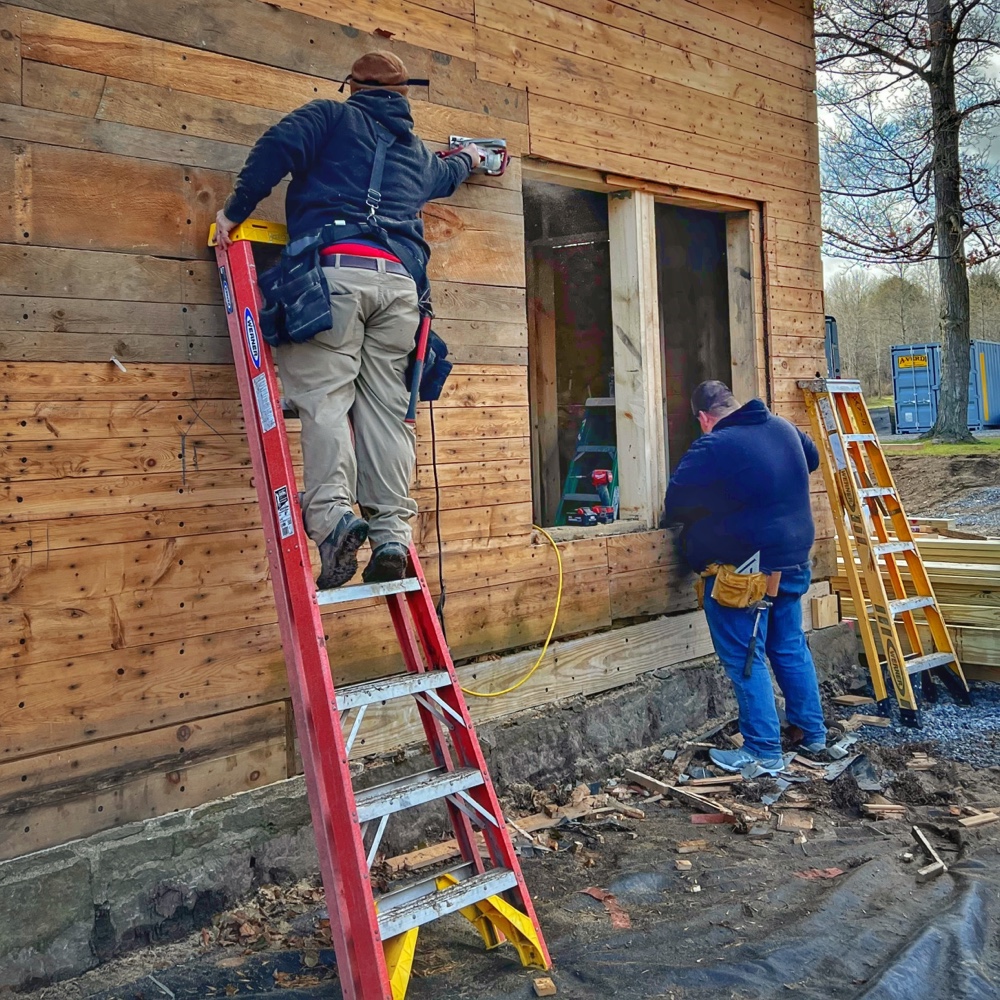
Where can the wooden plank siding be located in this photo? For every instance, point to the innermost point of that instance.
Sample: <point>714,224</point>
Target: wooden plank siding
<point>143,670</point>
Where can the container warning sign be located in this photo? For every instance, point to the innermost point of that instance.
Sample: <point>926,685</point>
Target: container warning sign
<point>911,361</point>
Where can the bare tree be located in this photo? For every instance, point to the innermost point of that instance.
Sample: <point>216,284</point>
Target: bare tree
<point>910,101</point>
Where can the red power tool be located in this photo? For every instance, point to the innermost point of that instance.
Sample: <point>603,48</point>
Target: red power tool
<point>493,151</point>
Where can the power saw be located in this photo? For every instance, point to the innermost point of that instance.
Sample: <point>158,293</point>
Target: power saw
<point>494,154</point>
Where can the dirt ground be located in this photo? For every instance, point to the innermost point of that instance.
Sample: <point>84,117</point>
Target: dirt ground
<point>743,922</point>
<point>965,487</point>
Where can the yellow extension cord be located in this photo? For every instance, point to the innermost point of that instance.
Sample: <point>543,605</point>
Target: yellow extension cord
<point>548,638</point>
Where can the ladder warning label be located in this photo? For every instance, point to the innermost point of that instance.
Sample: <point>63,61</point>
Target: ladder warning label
<point>227,295</point>
<point>286,526</point>
<point>264,408</point>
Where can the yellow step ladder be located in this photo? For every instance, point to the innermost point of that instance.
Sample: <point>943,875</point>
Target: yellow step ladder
<point>864,497</point>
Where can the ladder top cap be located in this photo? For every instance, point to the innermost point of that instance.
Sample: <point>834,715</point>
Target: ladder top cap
<point>256,231</point>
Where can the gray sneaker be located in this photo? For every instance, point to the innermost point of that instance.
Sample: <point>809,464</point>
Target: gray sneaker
<point>741,762</point>
<point>339,553</point>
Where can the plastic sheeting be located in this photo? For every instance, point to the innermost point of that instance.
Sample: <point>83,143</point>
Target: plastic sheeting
<point>871,934</point>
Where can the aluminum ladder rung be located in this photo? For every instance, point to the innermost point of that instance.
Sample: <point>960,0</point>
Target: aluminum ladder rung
<point>413,790</point>
<point>580,497</point>
<point>364,591</point>
<point>397,916</point>
<point>860,437</point>
<point>888,548</point>
<point>897,608</point>
<point>388,688</point>
<point>876,491</point>
<point>920,663</point>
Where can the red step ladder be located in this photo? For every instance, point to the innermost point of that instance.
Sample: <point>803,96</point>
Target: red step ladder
<point>374,937</point>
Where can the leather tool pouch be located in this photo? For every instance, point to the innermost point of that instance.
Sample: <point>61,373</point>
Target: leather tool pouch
<point>732,589</point>
<point>296,295</point>
<point>437,368</point>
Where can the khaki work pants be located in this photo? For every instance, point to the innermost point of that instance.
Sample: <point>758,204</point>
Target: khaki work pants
<point>353,374</point>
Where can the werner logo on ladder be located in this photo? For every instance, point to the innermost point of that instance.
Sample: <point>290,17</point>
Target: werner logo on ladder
<point>374,938</point>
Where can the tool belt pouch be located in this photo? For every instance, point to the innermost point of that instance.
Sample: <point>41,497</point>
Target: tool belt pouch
<point>437,368</point>
<point>296,296</point>
<point>737,590</point>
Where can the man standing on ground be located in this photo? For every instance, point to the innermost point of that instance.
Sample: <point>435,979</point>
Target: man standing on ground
<point>742,490</point>
<point>354,373</point>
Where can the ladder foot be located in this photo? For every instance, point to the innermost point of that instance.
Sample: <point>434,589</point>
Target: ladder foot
<point>498,921</point>
<point>399,952</point>
<point>929,690</point>
<point>954,685</point>
<point>910,717</point>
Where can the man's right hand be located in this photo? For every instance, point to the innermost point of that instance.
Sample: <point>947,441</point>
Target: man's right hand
<point>474,154</point>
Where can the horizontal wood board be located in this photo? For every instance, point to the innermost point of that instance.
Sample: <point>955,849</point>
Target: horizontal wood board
<point>136,591</point>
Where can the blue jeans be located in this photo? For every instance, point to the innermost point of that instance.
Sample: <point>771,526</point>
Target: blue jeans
<point>781,638</point>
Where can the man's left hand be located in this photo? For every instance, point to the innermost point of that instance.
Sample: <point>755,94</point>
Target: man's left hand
<point>223,227</point>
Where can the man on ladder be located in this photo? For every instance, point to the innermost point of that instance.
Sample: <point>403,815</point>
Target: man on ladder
<point>372,259</point>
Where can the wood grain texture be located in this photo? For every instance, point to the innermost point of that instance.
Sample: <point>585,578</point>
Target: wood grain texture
<point>11,70</point>
<point>137,593</point>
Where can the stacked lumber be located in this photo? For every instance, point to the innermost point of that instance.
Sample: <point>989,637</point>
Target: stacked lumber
<point>965,575</point>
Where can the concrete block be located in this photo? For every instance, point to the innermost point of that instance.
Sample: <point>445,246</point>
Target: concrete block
<point>46,915</point>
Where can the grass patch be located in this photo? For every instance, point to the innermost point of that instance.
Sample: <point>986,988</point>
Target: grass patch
<point>875,401</point>
<point>984,446</point>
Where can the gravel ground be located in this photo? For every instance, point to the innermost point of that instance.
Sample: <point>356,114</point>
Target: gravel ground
<point>978,511</point>
<point>965,488</point>
<point>966,733</point>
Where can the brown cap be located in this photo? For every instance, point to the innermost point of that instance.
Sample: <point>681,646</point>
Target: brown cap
<point>382,70</point>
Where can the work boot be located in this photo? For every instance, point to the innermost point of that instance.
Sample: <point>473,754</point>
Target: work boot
<point>741,762</point>
<point>388,563</point>
<point>339,553</point>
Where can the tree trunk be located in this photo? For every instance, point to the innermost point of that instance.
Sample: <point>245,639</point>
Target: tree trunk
<point>953,401</point>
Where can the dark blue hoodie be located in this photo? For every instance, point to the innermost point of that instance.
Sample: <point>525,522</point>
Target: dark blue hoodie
<point>328,148</point>
<point>744,488</point>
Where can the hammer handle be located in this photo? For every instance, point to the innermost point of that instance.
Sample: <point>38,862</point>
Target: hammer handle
<point>418,368</point>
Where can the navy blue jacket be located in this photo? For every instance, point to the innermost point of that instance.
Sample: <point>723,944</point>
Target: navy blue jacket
<point>328,148</point>
<point>744,488</point>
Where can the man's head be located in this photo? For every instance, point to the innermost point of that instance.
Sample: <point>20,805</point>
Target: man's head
<point>712,401</point>
<point>379,71</point>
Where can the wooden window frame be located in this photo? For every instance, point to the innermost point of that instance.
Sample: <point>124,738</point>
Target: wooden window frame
<point>643,461</point>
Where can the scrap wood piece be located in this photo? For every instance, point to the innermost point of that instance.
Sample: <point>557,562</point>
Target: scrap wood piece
<point>692,846</point>
<point>851,700</point>
<point>620,920</point>
<point>820,873</point>
<point>808,762</point>
<point>698,801</point>
<point>448,849</point>
<point>873,720</point>
<point>795,821</point>
<point>725,779</point>
<point>714,818</point>
<point>980,819</point>
<point>921,838</point>
<point>883,809</point>
<point>736,739</point>
<point>930,871</point>
<point>544,987</point>
<point>646,781</point>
